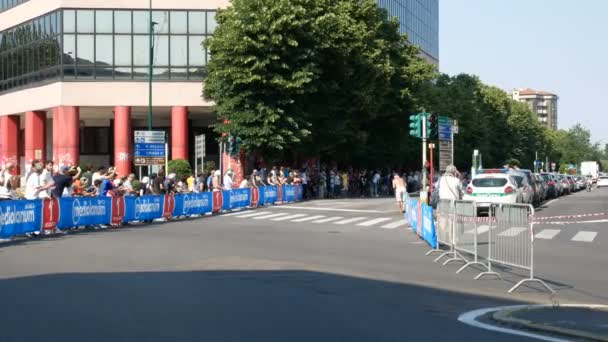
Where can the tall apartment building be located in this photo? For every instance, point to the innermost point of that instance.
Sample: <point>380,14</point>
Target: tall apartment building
<point>542,103</point>
<point>420,20</point>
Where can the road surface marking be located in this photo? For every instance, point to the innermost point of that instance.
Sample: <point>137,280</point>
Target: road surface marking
<point>350,220</point>
<point>584,236</point>
<point>309,218</point>
<point>289,217</point>
<point>470,318</point>
<point>551,201</point>
<point>334,209</point>
<point>480,230</point>
<point>374,221</point>
<point>547,234</point>
<point>243,215</point>
<point>238,213</point>
<point>329,219</point>
<point>395,224</point>
<point>512,232</point>
<point>269,216</point>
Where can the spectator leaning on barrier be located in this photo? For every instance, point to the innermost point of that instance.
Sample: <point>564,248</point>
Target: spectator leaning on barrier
<point>107,184</point>
<point>244,184</point>
<point>450,187</point>
<point>144,186</point>
<point>228,180</point>
<point>158,184</point>
<point>33,181</point>
<point>46,179</point>
<point>7,192</point>
<point>209,181</point>
<point>99,174</point>
<point>216,181</point>
<point>62,180</point>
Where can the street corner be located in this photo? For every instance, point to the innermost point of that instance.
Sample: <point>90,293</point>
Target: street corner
<point>549,322</point>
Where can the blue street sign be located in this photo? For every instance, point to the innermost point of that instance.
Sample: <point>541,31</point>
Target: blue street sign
<point>149,150</point>
<point>445,132</point>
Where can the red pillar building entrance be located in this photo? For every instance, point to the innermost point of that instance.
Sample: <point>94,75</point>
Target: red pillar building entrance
<point>122,140</point>
<point>66,135</point>
<point>9,138</point>
<point>35,136</point>
<point>179,132</point>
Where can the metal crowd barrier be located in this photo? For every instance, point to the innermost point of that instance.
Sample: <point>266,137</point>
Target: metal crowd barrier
<point>465,232</point>
<point>445,230</point>
<point>511,240</point>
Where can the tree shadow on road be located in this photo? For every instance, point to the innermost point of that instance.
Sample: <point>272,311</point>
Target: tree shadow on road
<point>235,305</point>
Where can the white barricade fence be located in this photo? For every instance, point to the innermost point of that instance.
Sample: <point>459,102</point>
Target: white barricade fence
<point>511,240</point>
<point>444,228</point>
<point>466,233</point>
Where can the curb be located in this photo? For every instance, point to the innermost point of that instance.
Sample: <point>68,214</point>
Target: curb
<point>507,316</point>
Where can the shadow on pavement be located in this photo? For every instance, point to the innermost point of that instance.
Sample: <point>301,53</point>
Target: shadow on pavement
<point>232,306</point>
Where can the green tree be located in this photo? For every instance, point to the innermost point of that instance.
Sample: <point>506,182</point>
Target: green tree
<point>334,74</point>
<point>180,167</point>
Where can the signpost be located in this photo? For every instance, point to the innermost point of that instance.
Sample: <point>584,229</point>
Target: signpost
<point>149,148</point>
<point>447,129</point>
<point>199,153</point>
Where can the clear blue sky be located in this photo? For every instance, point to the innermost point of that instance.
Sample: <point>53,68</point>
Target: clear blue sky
<point>559,46</point>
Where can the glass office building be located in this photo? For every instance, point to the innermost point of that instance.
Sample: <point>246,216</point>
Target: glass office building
<point>419,19</point>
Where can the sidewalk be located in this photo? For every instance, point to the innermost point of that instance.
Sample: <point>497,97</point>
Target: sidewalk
<point>569,321</point>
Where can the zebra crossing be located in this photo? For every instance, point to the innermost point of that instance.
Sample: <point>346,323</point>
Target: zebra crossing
<point>359,221</point>
<point>541,234</point>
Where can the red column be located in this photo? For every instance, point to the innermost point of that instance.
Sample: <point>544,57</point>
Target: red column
<point>122,140</point>
<point>66,135</point>
<point>179,132</point>
<point>9,138</point>
<point>35,136</point>
<point>237,164</point>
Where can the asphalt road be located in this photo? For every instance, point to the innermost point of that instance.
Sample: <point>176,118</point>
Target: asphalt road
<point>343,270</point>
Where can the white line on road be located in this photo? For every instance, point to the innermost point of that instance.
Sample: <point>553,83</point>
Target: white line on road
<point>309,218</point>
<point>480,230</point>
<point>243,215</point>
<point>511,232</point>
<point>547,234</point>
<point>470,318</point>
<point>289,217</point>
<point>269,216</point>
<point>335,209</point>
<point>395,224</point>
<point>350,220</point>
<point>373,222</point>
<point>584,236</point>
<point>329,219</point>
<point>551,201</point>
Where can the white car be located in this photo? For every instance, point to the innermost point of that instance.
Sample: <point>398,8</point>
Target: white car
<point>521,180</point>
<point>602,181</point>
<point>489,188</point>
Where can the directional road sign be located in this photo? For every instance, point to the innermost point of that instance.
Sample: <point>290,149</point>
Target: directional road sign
<point>149,148</point>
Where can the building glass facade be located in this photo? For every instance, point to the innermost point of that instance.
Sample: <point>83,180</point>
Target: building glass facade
<point>87,44</point>
<point>7,4</point>
<point>419,19</point>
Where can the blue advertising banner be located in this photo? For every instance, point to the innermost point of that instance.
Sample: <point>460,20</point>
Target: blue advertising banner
<point>299,192</point>
<point>20,217</point>
<point>289,193</point>
<point>84,211</point>
<point>428,232</point>
<point>268,195</point>
<point>237,198</point>
<point>193,204</point>
<point>144,208</point>
<point>414,215</point>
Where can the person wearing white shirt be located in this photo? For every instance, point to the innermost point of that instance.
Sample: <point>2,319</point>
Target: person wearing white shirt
<point>450,187</point>
<point>244,184</point>
<point>33,182</point>
<point>228,180</point>
<point>46,180</point>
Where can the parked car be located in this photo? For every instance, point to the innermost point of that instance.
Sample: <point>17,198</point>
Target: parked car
<point>527,191</point>
<point>553,191</point>
<point>542,185</point>
<point>536,191</point>
<point>602,181</point>
<point>565,184</point>
<point>491,187</point>
<point>580,182</point>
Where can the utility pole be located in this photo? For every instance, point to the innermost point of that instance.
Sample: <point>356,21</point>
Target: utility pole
<point>151,62</point>
<point>424,135</point>
<point>431,148</point>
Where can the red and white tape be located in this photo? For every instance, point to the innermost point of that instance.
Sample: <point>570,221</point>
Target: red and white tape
<point>543,218</point>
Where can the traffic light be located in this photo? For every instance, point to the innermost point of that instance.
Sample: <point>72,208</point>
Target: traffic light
<point>433,126</point>
<point>416,126</point>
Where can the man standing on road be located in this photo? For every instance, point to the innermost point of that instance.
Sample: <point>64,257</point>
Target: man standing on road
<point>375,183</point>
<point>450,187</point>
<point>228,180</point>
<point>399,187</point>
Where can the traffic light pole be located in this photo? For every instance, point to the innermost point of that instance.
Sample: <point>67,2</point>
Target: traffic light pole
<point>424,134</point>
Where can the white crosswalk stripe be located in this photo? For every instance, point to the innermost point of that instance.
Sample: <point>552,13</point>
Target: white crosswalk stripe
<point>309,218</point>
<point>584,236</point>
<point>350,220</point>
<point>395,224</point>
<point>373,222</point>
<point>547,234</point>
<point>289,217</point>
<point>269,216</point>
<point>512,232</point>
<point>250,214</point>
<point>329,219</point>
<point>480,230</point>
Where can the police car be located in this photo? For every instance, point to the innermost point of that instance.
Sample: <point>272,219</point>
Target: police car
<point>493,186</point>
